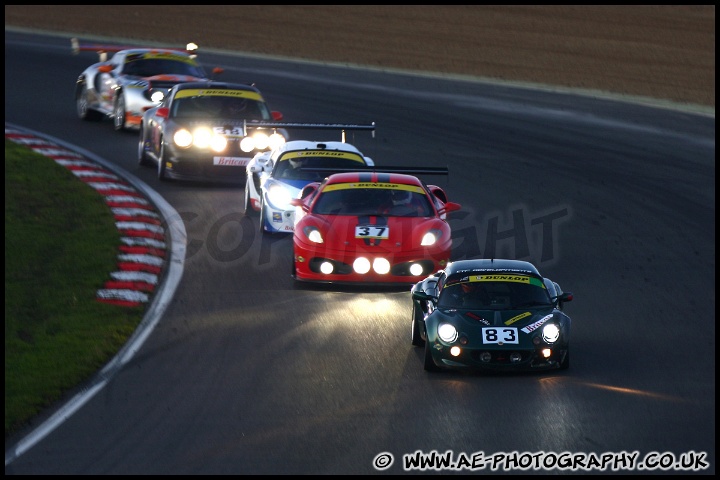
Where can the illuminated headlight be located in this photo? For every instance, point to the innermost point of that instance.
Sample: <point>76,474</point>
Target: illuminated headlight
<point>447,332</point>
<point>261,141</point>
<point>361,265</point>
<point>279,197</point>
<point>314,235</point>
<point>183,138</point>
<point>157,96</point>
<point>430,238</point>
<point>326,267</point>
<point>550,333</point>
<point>276,140</point>
<point>247,144</point>
<point>381,266</point>
<point>416,269</point>
<point>202,137</point>
<point>218,143</point>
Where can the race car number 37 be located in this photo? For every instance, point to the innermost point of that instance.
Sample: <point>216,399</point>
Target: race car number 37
<point>371,231</point>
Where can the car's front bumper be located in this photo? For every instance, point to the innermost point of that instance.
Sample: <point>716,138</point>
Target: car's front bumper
<point>308,261</point>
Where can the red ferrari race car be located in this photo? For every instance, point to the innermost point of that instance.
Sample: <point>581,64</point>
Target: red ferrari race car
<point>371,227</point>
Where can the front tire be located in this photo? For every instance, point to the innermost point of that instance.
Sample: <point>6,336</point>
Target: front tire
<point>417,320</point>
<point>119,118</point>
<point>82,105</point>
<point>565,364</point>
<point>143,159</point>
<point>262,218</point>
<point>428,363</point>
<point>162,169</point>
<point>248,211</point>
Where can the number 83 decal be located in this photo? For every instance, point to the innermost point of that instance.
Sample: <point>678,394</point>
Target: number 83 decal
<point>500,335</point>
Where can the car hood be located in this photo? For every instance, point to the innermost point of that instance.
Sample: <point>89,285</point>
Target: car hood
<point>173,78</point>
<point>526,320</point>
<point>403,233</point>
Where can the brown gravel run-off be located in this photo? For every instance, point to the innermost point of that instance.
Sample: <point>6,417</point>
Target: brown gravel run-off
<point>665,52</point>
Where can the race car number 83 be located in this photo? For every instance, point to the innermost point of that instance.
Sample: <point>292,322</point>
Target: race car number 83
<point>499,335</point>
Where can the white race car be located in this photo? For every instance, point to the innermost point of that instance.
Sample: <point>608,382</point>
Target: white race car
<point>132,81</point>
<point>277,176</point>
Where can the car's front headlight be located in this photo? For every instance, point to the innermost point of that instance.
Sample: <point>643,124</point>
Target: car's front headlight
<point>183,138</point>
<point>313,234</point>
<point>157,96</point>
<point>550,333</point>
<point>201,137</point>
<point>447,332</point>
<point>431,237</point>
<point>260,140</point>
<point>279,196</point>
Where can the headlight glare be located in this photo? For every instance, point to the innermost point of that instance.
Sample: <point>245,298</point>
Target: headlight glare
<point>183,138</point>
<point>447,332</point>
<point>157,96</point>
<point>550,333</point>
<point>261,140</point>
<point>314,235</point>
<point>247,144</point>
<point>202,137</point>
<point>429,238</point>
<point>361,265</point>
<point>279,197</point>
<point>218,143</point>
<point>276,140</point>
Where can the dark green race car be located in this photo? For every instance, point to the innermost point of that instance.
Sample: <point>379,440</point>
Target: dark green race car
<point>491,315</point>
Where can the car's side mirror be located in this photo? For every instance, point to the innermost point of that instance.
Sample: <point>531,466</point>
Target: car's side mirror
<point>423,296</point>
<point>255,168</point>
<point>450,207</point>
<point>299,202</point>
<point>277,116</point>
<point>162,112</point>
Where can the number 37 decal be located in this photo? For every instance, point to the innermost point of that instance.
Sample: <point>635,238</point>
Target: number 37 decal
<point>500,335</point>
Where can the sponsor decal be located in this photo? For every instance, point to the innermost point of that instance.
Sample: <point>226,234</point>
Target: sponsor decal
<point>534,326</point>
<point>168,56</point>
<point>198,92</point>
<point>374,186</point>
<point>277,217</point>
<point>510,321</point>
<point>230,161</point>
<point>322,154</point>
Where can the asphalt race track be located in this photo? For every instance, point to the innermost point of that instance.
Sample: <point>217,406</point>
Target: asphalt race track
<point>248,373</point>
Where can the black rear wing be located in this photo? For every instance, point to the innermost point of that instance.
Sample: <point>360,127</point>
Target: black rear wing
<point>343,127</point>
<point>382,169</point>
<point>102,50</point>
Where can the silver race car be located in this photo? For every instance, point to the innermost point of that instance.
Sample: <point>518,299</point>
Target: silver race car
<point>132,81</point>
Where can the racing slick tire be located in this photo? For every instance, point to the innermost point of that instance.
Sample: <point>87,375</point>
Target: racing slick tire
<point>248,211</point>
<point>161,172</point>
<point>417,339</point>
<point>119,118</point>
<point>82,105</point>
<point>565,364</point>
<point>428,363</point>
<point>143,159</point>
<point>262,219</point>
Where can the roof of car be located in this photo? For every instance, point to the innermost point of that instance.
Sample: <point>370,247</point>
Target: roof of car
<point>485,264</point>
<point>216,85</point>
<point>373,177</point>
<point>294,145</point>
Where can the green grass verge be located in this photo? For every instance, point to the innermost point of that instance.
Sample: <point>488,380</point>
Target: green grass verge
<point>61,244</point>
